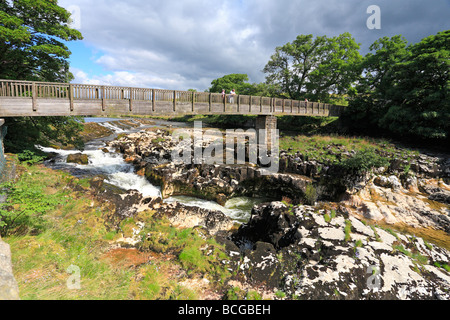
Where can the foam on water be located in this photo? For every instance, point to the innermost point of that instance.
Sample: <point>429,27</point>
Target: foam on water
<point>111,126</point>
<point>123,175</point>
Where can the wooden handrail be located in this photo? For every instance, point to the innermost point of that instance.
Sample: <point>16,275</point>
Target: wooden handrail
<point>72,92</point>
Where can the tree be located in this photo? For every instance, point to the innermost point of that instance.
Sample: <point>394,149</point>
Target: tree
<point>368,104</point>
<point>418,102</point>
<point>377,66</point>
<point>239,82</point>
<point>404,89</point>
<point>236,81</point>
<point>315,68</point>
<point>31,32</point>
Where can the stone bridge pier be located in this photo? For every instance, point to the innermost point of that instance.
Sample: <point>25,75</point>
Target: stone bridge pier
<point>265,126</point>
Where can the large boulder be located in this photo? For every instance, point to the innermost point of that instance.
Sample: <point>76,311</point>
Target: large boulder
<point>329,254</point>
<point>78,158</point>
<point>8,285</point>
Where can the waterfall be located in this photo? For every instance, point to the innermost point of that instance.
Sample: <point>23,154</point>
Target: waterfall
<point>122,174</point>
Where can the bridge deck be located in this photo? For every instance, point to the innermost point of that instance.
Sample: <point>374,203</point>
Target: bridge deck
<point>25,98</point>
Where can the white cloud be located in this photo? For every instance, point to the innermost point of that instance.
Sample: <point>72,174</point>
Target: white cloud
<point>186,44</point>
<point>139,80</point>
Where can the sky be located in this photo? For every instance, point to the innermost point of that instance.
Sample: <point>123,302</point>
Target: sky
<point>185,44</point>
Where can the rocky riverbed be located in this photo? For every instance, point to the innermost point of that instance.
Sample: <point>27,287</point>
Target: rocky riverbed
<point>377,235</point>
<point>318,230</point>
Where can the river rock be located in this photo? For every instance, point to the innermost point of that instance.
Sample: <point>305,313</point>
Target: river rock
<point>128,203</point>
<point>78,158</point>
<point>8,285</point>
<point>388,182</point>
<point>182,216</point>
<point>307,257</point>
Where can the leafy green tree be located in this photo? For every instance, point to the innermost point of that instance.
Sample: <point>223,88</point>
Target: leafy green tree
<point>32,34</point>
<point>419,99</point>
<point>31,31</point>
<point>315,68</point>
<point>26,132</point>
<point>240,83</point>
<point>236,81</point>
<point>368,104</point>
<point>404,89</point>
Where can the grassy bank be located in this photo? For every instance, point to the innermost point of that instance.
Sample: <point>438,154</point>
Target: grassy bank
<point>330,149</point>
<point>66,232</point>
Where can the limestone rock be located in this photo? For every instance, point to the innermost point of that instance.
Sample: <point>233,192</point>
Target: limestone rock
<point>308,257</point>
<point>388,182</point>
<point>8,285</point>
<point>78,158</point>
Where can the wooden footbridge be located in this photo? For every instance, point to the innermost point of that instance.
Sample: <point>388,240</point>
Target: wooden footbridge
<point>34,99</point>
<point>28,98</point>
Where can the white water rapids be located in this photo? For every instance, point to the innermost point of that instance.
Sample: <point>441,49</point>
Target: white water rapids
<point>122,174</point>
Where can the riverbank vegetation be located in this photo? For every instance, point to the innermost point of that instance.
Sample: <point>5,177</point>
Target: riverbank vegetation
<point>54,222</point>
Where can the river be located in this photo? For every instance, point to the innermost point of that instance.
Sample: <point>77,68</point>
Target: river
<point>122,174</point>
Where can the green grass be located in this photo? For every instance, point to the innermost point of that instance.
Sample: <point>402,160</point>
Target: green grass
<point>195,254</point>
<point>442,265</point>
<point>417,257</point>
<point>351,152</point>
<point>77,231</point>
<point>347,230</point>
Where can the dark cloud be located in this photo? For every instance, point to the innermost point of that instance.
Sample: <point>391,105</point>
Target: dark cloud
<point>187,44</point>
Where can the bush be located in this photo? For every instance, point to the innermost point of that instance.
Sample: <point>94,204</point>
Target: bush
<point>26,202</point>
<point>30,157</point>
<point>364,161</point>
<point>24,208</point>
<point>310,194</point>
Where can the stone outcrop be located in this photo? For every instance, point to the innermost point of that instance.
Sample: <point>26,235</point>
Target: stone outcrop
<point>319,254</point>
<point>150,152</point>
<point>419,204</point>
<point>8,285</point>
<point>128,203</point>
<point>78,158</point>
<point>307,252</point>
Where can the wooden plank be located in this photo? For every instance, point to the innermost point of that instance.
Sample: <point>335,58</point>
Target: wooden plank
<point>142,107</point>
<point>71,96</point>
<point>34,96</point>
<point>174,101</point>
<point>86,107</point>
<point>36,91</point>
<point>48,107</point>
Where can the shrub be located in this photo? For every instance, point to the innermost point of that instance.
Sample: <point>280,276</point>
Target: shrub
<point>364,161</point>
<point>24,207</point>
<point>30,157</point>
<point>310,195</point>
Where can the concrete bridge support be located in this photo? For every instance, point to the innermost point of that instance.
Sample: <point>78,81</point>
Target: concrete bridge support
<point>2,122</point>
<point>265,126</point>
<point>2,149</point>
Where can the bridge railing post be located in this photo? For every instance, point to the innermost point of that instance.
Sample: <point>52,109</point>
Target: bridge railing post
<point>239,103</point>
<point>174,100</point>
<point>34,96</point>
<point>210,101</point>
<point>225,104</point>
<point>131,100</point>
<point>71,96</point>
<point>153,100</point>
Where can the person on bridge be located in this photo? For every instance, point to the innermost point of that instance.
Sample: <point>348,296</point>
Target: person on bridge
<point>232,94</point>
<point>223,94</point>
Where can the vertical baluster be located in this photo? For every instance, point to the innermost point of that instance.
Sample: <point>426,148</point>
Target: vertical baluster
<point>34,96</point>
